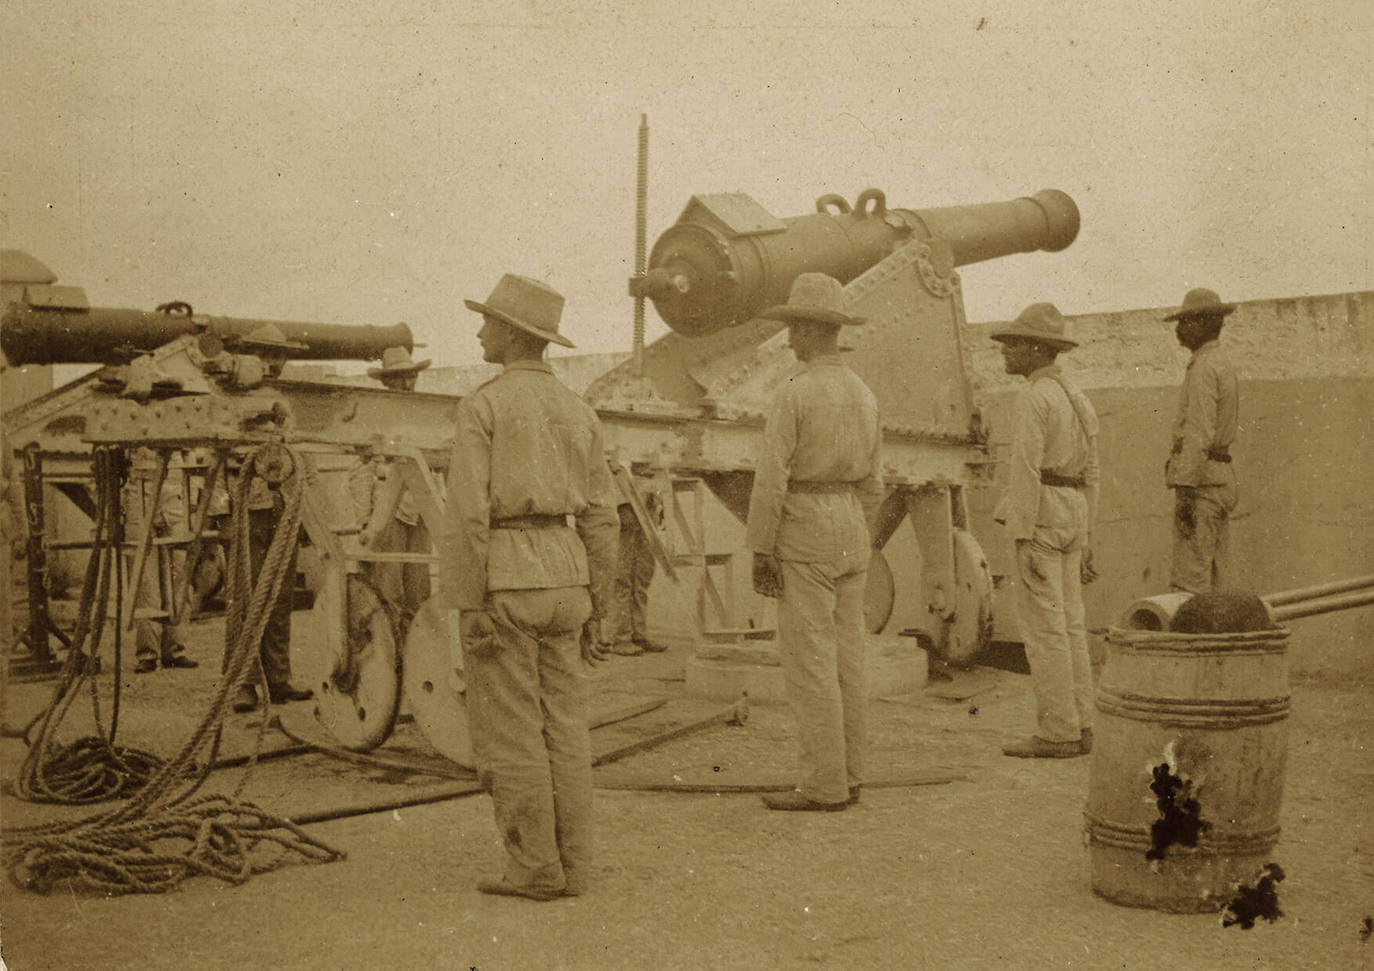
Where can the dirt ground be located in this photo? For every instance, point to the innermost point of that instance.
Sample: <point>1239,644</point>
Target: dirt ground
<point>987,870</point>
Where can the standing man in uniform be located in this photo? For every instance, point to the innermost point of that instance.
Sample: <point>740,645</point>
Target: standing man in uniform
<point>388,515</point>
<point>816,490</point>
<point>530,589</point>
<point>265,506</point>
<point>154,639</point>
<point>637,567</point>
<point>1049,509</point>
<point>1199,467</point>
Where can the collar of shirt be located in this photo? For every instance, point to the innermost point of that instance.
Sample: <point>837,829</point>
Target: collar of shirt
<point>821,360</point>
<point>1048,371</point>
<point>544,366</point>
<point>1210,345</point>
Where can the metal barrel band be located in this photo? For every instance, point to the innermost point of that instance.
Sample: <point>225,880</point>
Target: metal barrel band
<point>1195,713</point>
<point>1103,832</point>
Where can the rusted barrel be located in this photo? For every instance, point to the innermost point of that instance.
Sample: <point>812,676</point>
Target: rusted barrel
<point>1188,765</point>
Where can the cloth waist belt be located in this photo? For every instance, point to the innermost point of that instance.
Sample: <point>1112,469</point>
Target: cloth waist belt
<point>820,488</point>
<point>534,521</point>
<point>1219,454</point>
<point>1055,479</point>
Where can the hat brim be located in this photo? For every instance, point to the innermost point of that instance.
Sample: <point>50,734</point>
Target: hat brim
<point>789,312</point>
<point>1216,309</point>
<point>377,372</point>
<point>547,335</point>
<point>1063,343</point>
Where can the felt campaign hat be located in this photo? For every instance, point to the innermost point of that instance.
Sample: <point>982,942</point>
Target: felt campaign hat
<point>1040,322</point>
<point>532,306</point>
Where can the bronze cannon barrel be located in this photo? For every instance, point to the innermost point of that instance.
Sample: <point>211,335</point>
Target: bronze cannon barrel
<point>726,258</point>
<point>41,335</point>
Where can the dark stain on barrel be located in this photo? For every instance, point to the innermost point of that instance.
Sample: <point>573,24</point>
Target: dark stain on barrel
<point>1255,903</point>
<point>1366,930</point>
<point>1180,819</point>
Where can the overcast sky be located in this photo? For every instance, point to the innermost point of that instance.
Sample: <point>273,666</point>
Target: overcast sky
<point>371,162</point>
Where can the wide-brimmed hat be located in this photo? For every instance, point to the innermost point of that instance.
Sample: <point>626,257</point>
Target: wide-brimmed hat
<point>397,360</point>
<point>1040,322</point>
<point>270,335</point>
<point>1201,302</point>
<point>532,306</point>
<point>815,296</point>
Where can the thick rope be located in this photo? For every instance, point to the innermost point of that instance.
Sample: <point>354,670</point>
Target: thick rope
<point>125,850</point>
<point>90,769</point>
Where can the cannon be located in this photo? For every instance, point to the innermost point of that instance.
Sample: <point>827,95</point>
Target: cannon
<point>43,323</point>
<point>692,403</point>
<point>726,258</point>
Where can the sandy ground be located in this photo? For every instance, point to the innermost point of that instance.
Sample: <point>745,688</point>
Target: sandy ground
<point>987,871</point>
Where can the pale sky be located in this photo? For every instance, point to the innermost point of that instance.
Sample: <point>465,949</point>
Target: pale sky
<point>371,162</point>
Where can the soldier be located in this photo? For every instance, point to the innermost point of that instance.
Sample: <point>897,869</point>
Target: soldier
<point>636,574</point>
<point>530,589</point>
<point>154,639</point>
<point>1199,466</point>
<point>264,513</point>
<point>399,371</point>
<point>386,511</point>
<point>1049,508</point>
<point>817,487</point>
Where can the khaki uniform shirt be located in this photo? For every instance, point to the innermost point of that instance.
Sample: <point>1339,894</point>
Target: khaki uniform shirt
<point>823,428</point>
<point>170,517</point>
<point>1048,434</point>
<point>367,485</point>
<point>526,445</point>
<point>1208,412</point>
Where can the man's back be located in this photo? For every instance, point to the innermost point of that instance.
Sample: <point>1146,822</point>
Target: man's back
<point>526,446</point>
<point>823,429</point>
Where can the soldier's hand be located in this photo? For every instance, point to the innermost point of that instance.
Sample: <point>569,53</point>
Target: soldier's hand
<point>1086,573</point>
<point>1185,498</point>
<point>1025,558</point>
<point>594,647</point>
<point>478,633</point>
<point>767,575</point>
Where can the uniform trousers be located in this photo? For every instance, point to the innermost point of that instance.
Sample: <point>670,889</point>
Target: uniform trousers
<point>821,644</point>
<point>527,696</point>
<point>1201,553</point>
<point>632,580</point>
<point>405,585</point>
<point>154,639</point>
<point>275,648</point>
<point>1050,609</point>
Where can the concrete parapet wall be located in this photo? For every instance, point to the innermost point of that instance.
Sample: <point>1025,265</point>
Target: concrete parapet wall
<point>1297,337</point>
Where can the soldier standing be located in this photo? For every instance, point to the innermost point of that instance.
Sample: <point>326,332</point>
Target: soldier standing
<point>636,573</point>
<point>265,506</point>
<point>388,515</point>
<point>1199,467</point>
<point>817,487</point>
<point>1049,509</point>
<point>530,589</point>
<point>154,639</point>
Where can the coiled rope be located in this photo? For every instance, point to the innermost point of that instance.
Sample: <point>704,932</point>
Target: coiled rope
<point>161,835</point>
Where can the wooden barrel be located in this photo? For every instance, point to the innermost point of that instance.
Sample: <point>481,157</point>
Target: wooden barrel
<point>1201,718</point>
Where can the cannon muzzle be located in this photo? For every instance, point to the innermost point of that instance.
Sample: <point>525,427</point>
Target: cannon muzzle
<point>727,258</point>
<point>34,333</point>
